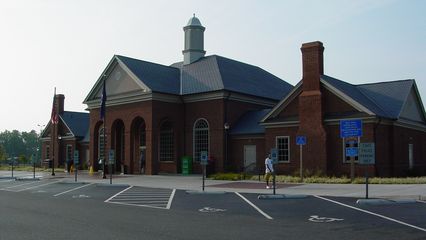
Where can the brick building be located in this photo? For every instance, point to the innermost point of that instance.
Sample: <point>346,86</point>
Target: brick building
<point>237,112</point>
<point>59,141</point>
<point>166,112</point>
<point>392,115</point>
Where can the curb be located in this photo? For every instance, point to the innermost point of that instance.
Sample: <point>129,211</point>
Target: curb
<point>7,178</point>
<point>204,192</point>
<point>384,201</point>
<point>112,185</point>
<point>282,196</point>
<point>27,179</point>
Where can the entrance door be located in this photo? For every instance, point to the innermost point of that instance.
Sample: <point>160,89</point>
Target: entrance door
<point>249,158</point>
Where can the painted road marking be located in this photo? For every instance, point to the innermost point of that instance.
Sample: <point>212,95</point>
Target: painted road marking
<point>144,197</point>
<point>210,209</point>
<point>19,185</point>
<point>73,189</point>
<point>421,201</point>
<point>372,213</point>
<point>38,186</point>
<point>318,219</point>
<point>169,204</point>
<point>254,206</point>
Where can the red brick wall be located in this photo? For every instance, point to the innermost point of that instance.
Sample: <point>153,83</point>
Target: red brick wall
<point>236,151</point>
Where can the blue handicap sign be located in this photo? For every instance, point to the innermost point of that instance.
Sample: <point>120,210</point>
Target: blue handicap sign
<point>351,151</point>
<point>301,140</point>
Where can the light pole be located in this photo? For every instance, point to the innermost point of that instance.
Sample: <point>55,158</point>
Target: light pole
<point>226,127</point>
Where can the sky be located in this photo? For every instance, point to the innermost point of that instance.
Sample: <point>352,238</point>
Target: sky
<point>68,43</point>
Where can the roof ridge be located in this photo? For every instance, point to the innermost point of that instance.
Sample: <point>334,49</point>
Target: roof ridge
<point>140,60</point>
<point>76,112</point>
<point>386,82</point>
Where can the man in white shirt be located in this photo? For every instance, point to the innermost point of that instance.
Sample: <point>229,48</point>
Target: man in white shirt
<point>269,169</point>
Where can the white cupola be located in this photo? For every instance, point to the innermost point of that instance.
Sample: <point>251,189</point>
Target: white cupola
<point>194,41</point>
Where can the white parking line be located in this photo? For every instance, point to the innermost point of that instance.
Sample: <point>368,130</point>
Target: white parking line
<point>118,194</point>
<point>374,214</point>
<point>421,201</point>
<point>73,189</point>
<point>38,186</point>
<point>169,204</point>
<point>254,206</point>
<point>19,185</point>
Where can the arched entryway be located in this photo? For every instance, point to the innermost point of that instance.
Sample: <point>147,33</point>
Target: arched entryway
<point>117,144</point>
<point>138,146</point>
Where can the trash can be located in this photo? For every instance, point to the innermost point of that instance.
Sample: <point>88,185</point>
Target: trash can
<point>186,165</point>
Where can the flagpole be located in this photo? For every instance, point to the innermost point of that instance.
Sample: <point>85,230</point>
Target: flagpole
<point>55,131</point>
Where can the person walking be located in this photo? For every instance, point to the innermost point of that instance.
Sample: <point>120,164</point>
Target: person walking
<point>269,169</point>
<point>142,161</point>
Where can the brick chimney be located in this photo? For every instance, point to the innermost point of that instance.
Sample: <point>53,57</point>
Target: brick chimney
<point>311,108</point>
<point>59,102</point>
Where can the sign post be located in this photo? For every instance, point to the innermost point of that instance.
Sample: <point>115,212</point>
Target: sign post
<point>274,157</point>
<point>366,157</point>
<point>76,162</point>
<point>111,161</point>
<point>351,128</point>
<point>203,162</point>
<point>301,140</point>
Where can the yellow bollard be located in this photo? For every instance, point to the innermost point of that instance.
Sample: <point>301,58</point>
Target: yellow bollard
<point>91,171</point>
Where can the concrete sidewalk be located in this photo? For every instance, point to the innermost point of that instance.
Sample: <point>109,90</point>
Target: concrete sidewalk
<point>194,183</point>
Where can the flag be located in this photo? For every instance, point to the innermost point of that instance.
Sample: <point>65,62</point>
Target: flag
<point>103,101</point>
<point>54,115</point>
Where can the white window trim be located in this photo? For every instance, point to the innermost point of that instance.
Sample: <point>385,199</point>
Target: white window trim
<point>159,146</point>
<point>193,136</point>
<point>71,155</point>
<point>276,146</point>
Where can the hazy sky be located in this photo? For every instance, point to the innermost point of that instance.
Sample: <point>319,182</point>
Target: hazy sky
<point>67,43</point>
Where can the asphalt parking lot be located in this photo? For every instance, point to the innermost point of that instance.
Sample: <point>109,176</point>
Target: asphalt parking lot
<point>315,213</point>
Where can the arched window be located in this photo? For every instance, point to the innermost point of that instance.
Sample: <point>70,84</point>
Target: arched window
<point>101,144</point>
<point>201,138</point>
<point>166,142</point>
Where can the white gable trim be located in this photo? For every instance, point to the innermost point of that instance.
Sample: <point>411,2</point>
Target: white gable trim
<point>347,99</point>
<point>106,73</point>
<point>284,102</point>
<point>138,81</point>
<point>69,129</point>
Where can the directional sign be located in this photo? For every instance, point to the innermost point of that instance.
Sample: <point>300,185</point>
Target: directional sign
<point>301,140</point>
<point>351,151</point>
<point>351,128</point>
<point>366,153</point>
<point>76,160</point>
<point>203,157</point>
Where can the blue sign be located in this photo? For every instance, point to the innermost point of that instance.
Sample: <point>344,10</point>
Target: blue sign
<point>76,160</point>
<point>111,157</point>
<point>351,151</point>
<point>203,157</point>
<point>301,140</point>
<point>351,128</point>
<point>274,155</point>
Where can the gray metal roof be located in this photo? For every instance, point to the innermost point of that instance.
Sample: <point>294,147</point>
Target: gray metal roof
<point>157,77</point>
<point>385,99</point>
<point>214,73</point>
<point>249,123</point>
<point>78,122</point>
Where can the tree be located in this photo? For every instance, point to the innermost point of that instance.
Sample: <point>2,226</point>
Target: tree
<point>19,144</point>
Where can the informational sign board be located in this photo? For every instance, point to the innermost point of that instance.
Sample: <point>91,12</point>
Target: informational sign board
<point>301,140</point>
<point>366,153</point>
<point>351,128</point>
<point>274,155</point>
<point>351,151</point>
<point>111,157</point>
<point>203,157</point>
<point>76,157</point>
